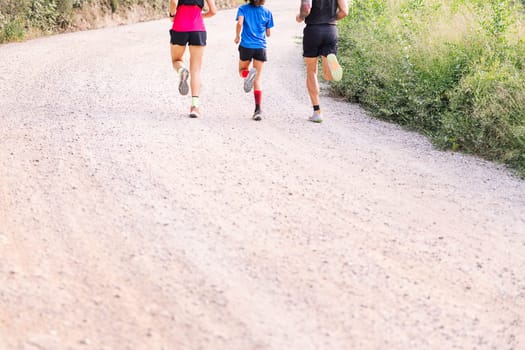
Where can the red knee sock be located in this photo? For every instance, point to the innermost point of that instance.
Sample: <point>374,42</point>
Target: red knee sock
<point>258,98</point>
<point>245,73</point>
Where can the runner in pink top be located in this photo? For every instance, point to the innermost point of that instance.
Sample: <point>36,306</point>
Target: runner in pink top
<point>188,18</point>
<point>188,30</point>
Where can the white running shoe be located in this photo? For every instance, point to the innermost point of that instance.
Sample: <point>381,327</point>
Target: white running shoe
<point>195,112</point>
<point>316,117</point>
<point>335,68</point>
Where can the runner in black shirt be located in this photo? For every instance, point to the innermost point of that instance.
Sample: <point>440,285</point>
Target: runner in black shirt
<point>321,40</point>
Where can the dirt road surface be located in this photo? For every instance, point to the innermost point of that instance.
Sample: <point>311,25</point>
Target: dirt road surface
<point>126,225</point>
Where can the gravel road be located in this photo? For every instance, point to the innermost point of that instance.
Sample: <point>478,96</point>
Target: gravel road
<point>126,225</point>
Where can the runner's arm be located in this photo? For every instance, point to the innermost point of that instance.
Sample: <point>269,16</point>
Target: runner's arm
<point>173,7</point>
<point>268,32</point>
<point>212,9</point>
<point>238,29</point>
<point>342,12</point>
<point>304,10</point>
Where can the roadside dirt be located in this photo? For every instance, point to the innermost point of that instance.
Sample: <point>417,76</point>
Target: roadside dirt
<point>126,225</point>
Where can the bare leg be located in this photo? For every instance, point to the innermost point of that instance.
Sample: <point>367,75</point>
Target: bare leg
<point>312,84</point>
<point>257,82</point>
<point>243,65</point>
<point>196,53</point>
<point>327,74</point>
<point>177,54</point>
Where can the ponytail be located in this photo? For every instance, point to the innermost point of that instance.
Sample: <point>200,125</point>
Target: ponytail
<point>256,3</point>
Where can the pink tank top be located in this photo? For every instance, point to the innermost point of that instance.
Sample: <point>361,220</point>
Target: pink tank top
<point>188,18</point>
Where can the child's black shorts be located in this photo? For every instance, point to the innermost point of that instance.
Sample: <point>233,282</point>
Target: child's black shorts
<point>246,54</point>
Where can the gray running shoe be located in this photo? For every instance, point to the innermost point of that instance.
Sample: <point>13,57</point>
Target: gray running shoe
<point>184,88</point>
<point>257,115</point>
<point>316,118</point>
<point>248,82</point>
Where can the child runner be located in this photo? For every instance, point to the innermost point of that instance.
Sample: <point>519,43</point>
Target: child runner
<point>255,21</point>
<point>188,29</point>
<point>321,39</point>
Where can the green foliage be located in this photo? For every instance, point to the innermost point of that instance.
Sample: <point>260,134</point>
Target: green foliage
<point>78,3</point>
<point>452,69</point>
<point>43,15</point>
<point>64,12</point>
<point>20,17</point>
<point>12,19</point>
<point>12,30</point>
<point>114,5</point>
<point>487,114</point>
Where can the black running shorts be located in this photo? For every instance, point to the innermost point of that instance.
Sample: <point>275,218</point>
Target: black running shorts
<point>320,40</point>
<point>246,54</point>
<point>188,38</point>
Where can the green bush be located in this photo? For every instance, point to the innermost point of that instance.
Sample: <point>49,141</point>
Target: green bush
<point>43,15</point>
<point>78,3</point>
<point>20,17</point>
<point>12,31</point>
<point>12,19</point>
<point>487,114</point>
<point>114,5</point>
<point>452,69</point>
<point>65,12</point>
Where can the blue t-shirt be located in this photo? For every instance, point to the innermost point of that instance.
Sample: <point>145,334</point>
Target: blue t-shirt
<point>256,20</point>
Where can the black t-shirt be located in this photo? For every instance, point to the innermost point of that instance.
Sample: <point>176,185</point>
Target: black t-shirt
<point>323,12</point>
<point>199,3</point>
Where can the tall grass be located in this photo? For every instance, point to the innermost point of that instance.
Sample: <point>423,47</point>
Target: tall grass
<point>453,69</point>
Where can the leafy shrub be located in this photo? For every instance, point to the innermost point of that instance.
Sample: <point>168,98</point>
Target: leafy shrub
<point>12,19</point>
<point>453,69</point>
<point>64,12</point>
<point>43,15</point>
<point>114,5</point>
<point>12,31</point>
<point>78,3</point>
<point>487,114</point>
<point>18,17</point>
